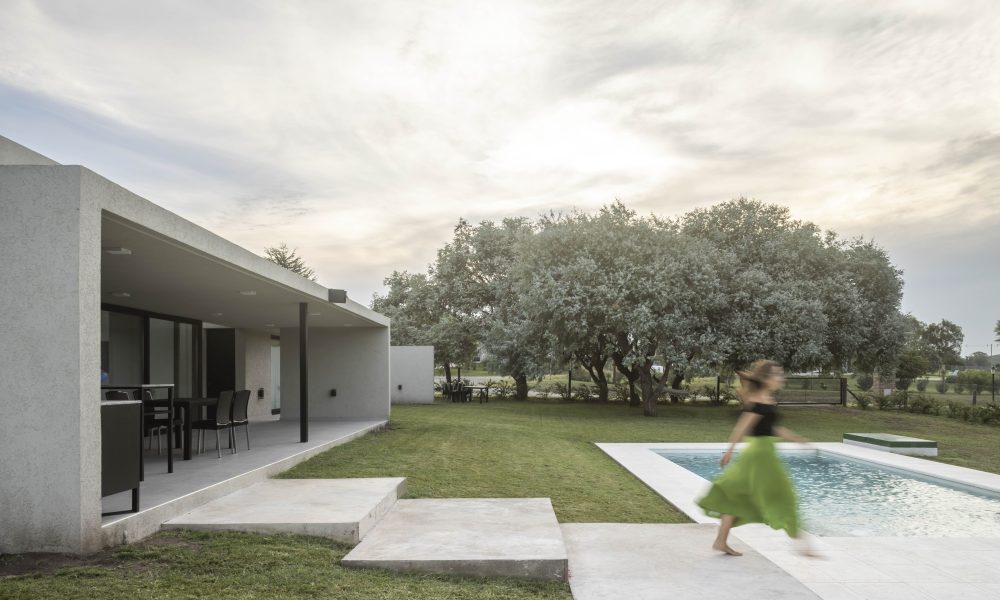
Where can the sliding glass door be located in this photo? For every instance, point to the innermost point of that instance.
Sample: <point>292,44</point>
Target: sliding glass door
<point>139,347</point>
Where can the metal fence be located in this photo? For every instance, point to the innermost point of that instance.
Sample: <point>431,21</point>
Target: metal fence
<point>813,390</point>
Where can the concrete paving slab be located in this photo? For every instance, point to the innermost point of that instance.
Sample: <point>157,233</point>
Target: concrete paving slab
<point>341,509</point>
<point>512,537</point>
<point>609,561</point>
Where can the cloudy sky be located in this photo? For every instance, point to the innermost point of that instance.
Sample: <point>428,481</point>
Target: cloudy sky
<point>360,131</point>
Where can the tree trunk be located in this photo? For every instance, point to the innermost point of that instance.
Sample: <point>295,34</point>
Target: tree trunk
<point>675,384</point>
<point>631,375</point>
<point>447,372</point>
<point>602,385</point>
<point>521,387</point>
<point>648,393</point>
<point>595,368</point>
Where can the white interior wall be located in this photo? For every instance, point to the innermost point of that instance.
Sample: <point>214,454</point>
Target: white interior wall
<point>253,370</point>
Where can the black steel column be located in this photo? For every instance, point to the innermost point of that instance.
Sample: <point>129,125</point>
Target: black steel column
<point>303,372</point>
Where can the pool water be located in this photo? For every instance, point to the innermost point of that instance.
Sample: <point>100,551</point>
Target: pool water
<point>843,497</point>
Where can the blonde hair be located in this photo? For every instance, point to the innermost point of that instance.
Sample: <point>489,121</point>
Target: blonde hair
<point>753,379</point>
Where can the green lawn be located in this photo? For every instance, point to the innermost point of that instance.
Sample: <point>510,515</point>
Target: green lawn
<point>499,449</point>
<point>232,565</point>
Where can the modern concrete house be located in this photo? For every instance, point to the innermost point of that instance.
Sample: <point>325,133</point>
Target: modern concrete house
<point>101,285</point>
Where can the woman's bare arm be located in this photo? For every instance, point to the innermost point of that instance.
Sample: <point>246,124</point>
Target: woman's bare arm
<point>787,434</point>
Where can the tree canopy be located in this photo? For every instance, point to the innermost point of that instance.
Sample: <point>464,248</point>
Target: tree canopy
<point>286,257</point>
<point>655,298</point>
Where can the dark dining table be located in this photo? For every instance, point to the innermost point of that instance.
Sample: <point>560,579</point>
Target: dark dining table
<point>190,406</point>
<point>484,391</point>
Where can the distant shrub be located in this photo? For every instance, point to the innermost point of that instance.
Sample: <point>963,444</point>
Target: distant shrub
<point>889,402</point>
<point>504,389</point>
<point>971,377</point>
<point>922,385</point>
<point>619,391</point>
<point>958,410</point>
<point>561,390</point>
<point>941,387</point>
<point>865,381</point>
<point>923,405</point>
<point>863,400</point>
<point>583,393</point>
<point>959,387</point>
<point>903,384</point>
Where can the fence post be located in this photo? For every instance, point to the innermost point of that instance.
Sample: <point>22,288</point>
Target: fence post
<point>843,391</point>
<point>718,388</point>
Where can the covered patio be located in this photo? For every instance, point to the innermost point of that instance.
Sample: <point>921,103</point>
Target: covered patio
<point>113,290</point>
<point>275,448</point>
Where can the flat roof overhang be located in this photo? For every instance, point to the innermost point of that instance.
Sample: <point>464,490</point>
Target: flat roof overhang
<point>161,274</point>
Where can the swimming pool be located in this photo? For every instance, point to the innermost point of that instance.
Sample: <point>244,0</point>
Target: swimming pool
<point>841,496</point>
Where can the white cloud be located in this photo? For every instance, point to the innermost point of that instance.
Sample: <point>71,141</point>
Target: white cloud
<point>360,131</point>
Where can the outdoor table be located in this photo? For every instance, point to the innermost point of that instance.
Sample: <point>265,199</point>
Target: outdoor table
<point>189,406</point>
<point>484,391</point>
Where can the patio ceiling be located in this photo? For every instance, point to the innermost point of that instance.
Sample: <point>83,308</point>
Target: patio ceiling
<point>165,276</point>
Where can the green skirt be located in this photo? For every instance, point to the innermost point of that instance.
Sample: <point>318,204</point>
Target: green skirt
<point>755,488</point>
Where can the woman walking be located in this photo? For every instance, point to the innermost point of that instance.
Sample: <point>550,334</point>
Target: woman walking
<point>756,488</point>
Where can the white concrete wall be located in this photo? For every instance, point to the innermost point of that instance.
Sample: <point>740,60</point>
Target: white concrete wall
<point>411,371</point>
<point>253,371</point>
<point>50,447</point>
<point>352,360</point>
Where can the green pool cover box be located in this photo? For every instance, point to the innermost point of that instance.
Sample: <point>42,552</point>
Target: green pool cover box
<point>899,444</point>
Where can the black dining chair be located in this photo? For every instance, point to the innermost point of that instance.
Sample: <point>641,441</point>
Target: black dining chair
<point>241,403</point>
<point>223,411</point>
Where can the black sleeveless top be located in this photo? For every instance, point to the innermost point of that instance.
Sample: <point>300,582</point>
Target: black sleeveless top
<point>768,417</point>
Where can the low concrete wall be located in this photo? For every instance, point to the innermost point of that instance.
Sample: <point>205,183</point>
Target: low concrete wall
<point>352,360</point>
<point>411,377</point>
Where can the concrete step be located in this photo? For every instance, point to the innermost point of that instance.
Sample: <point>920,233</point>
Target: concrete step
<point>341,509</point>
<point>511,537</point>
<point>609,561</point>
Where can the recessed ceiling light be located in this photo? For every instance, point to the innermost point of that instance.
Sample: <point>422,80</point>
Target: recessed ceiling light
<point>269,325</point>
<point>121,294</point>
<point>248,293</point>
<point>215,314</point>
<point>118,250</point>
<point>348,325</point>
<point>314,314</point>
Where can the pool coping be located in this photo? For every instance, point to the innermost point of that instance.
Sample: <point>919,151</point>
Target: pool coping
<point>681,487</point>
<point>925,568</point>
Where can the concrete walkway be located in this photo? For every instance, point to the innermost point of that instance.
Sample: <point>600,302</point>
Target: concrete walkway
<point>341,509</point>
<point>610,561</point>
<point>511,537</point>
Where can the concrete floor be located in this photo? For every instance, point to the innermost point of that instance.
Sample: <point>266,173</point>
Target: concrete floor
<point>609,561</point>
<point>274,448</point>
<point>883,568</point>
<point>512,537</point>
<point>341,509</point>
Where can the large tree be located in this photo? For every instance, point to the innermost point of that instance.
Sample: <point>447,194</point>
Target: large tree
<point>796,294</point>
<point>473,274</point>
<point>944,340</point>
<point>286,257</point>
<point>412,303</point>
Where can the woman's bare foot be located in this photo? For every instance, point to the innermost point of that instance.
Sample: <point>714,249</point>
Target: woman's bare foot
<point>722,547</point>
